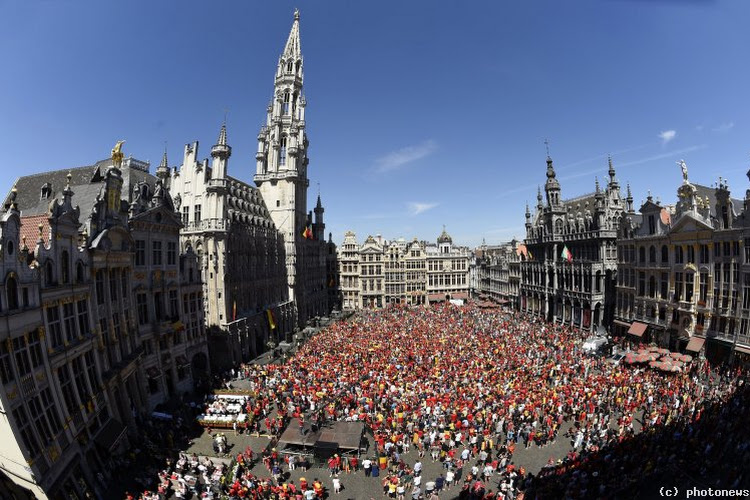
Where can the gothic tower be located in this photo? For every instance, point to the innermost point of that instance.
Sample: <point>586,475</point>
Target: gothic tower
<point>281,173</point>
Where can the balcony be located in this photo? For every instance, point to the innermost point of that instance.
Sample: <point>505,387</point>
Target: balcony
<point>216,185</point>
<point>207,225</point>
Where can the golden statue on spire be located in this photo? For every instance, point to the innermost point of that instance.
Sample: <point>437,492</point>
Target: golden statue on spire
<point>117,154</point>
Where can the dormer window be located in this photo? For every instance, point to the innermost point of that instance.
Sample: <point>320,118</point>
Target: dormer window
<point>46,191</point>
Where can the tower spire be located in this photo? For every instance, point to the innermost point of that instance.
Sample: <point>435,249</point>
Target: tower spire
<point>293,47</point>
<point>162,171</point>
<point>222,134</point>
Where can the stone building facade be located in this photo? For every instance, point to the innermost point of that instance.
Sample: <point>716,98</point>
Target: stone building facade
<point>264,257</point>
<point>684,272</point>
<point>446,270</point>
<point>381,272</point>
<point>227,225</point>
<point>499,272</point>
<point>282,180</point>
<point>569,258</point>
<point>77,367</point>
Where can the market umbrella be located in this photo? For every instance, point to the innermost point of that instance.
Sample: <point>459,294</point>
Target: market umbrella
<point>662,350</point>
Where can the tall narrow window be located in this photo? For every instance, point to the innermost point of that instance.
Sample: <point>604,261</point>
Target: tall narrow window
<point>142,308</point>
<point>140,253</point>
<point>678,287</point>
<point>24,426</point>
<point>156,253</point>
<point>6,366</point>
<point>197,214</point>
<point>100,287</point>
<point>22,357</point>
<point>83,317</point>
<point>65,267</point>
<point>287,101</point>
<point>53,326</point>
<point>11,288</point>
<point>80,276</point>
<point>173,305</point>
<point>49,273</point>
<point>171,253</point>
<point>79,376</point>
<point>124,283</point>
<point>69,319</point>
<point>185,216</point>
<point>66,385</point>
<point>113,296</point>
<point>282,151</point>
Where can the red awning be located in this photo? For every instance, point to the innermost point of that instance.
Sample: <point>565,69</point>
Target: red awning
<point>637,329</point>
<point>460,295</point>
<point>695,344</point>
<point>435,297</point>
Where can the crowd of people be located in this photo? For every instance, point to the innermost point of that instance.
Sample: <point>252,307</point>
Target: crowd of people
<point>466,388</point>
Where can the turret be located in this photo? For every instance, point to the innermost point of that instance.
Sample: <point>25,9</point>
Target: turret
<point>539,203</point>
<point>220,153</point>
<point>724,205</point>
<point>319,225</point>
<point>162,171</point>
<point>613,184</point>
<point>629,201</point>
<point>528,218</point>
<point>552,186</point>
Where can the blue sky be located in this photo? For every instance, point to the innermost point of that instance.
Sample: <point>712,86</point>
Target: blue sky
<point>419,113</point>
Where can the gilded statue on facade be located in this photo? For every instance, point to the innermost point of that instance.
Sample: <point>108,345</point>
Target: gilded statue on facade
<point>683,166</point>
<point>117,154</point>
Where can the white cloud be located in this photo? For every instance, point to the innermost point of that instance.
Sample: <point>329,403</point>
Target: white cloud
<point>667,136</point>
<point>401,157</point>
<point>724,127</point>
<point>416,208</point>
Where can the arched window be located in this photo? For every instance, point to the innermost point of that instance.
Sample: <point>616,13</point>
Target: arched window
<point>287,100</point>
<point>282,151</point>
<point>297,66</point>
<point>65,267</point>
<point>289,66</point>
<point>642,254</point>
<point>49,273</point>
<point>652,287</point>
<point>652,254</point>
<point>11,289</point>
<point>664,254</point>
<point>80,278</point>
<point>679,255</point>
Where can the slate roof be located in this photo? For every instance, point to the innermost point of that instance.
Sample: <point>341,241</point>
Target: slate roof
<point>86,183</point>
